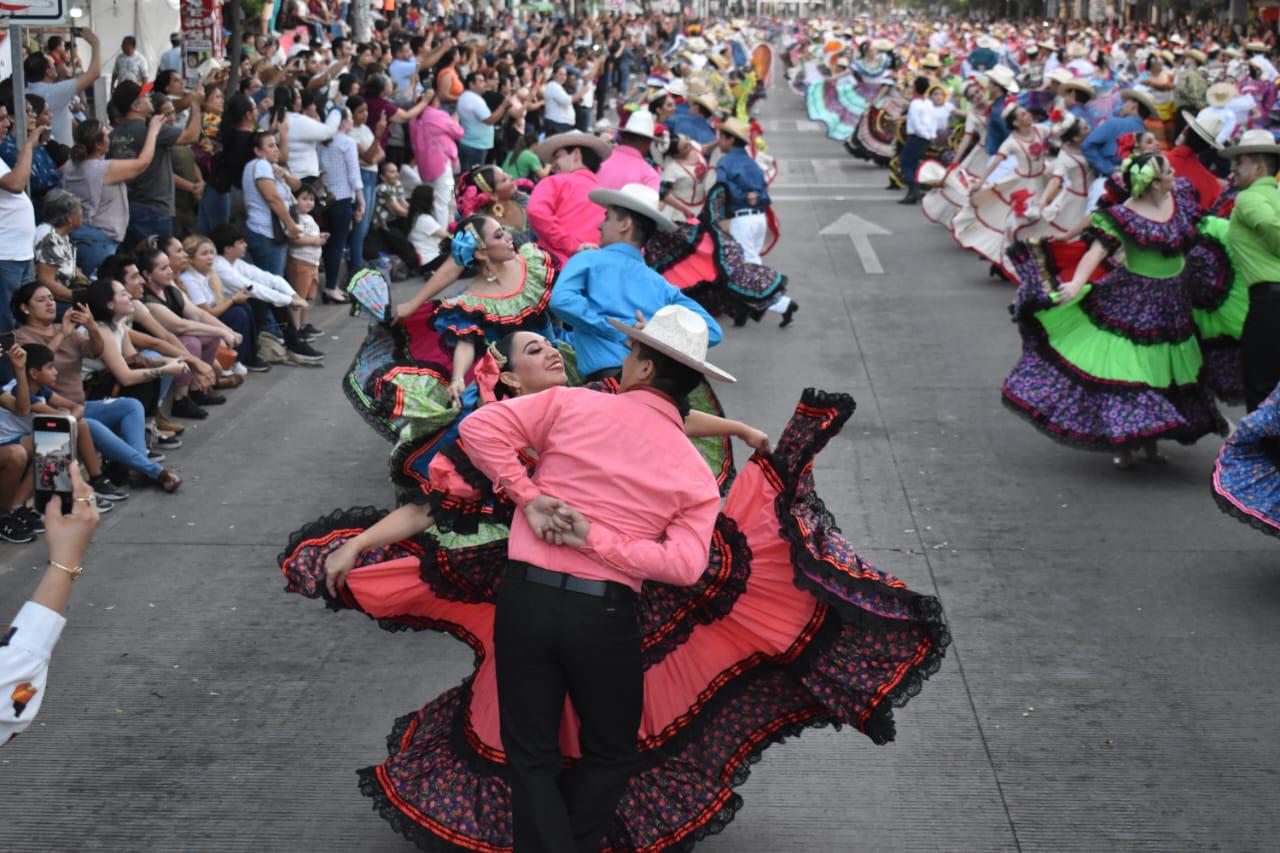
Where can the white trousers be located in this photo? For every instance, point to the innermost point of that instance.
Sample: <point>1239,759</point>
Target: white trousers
<point>750,231</point>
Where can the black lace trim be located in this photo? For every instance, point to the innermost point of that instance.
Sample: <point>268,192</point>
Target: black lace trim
<point>365,408</point>
<point>926,610</point>
<point>1169,238</point>
<point>732,582</point>
<point>1235,512</point>
<point>1094,234</point>
<point>356,517</point>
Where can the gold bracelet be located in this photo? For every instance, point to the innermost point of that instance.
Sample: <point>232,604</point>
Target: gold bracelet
<point>75,573</point>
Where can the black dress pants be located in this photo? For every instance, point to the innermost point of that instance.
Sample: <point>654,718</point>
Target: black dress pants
<point>1260,343</point>
<point>552,643</point>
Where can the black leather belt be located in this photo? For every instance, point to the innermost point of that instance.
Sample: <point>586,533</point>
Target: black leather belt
<point>559,580</point>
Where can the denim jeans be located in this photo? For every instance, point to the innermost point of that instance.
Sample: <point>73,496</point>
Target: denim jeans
<point>239,318</point>
<point>912,152</point>
<point>266,252</point>
<point>143,222</point>
<point>119,432</point>
<point>214,209</point>
<point>93,246</point>
<point>469,158</point>
<point>551,128</point>
<point>13,274</point>
<point>361,229</point>
<point>341,212</point>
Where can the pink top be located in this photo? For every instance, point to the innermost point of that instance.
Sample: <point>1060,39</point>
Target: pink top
<point>561,214</point>
<point>623,461</point>
<point>625,166</point>
<point>434,136</point>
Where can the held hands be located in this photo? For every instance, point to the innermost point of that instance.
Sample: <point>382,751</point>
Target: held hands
<point>585,247</point>
<point>456,387</point>
<point>755,439</point>
<point>554,521</point>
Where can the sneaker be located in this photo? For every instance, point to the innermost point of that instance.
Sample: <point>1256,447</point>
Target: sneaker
<point>155,455</point>
<point>206,398</point>
<point>305,353</point>
<point>15,530</point>
<point>106,488</point>
<point>310,333</point>
<point>28,516</point>
<point>239,369</point>
<point>187,408</point>
<point>171,442</point>
<point>104,506</point>
<point>256,365</point>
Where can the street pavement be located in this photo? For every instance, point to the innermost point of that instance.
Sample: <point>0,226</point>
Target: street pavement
<point>1108,688</point>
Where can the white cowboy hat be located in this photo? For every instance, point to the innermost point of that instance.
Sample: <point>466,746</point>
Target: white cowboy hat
<point>1033,49</point>
<point>1207,125</point>
<point>681,335</point>
<point>1003,77</point>
<point>676,88</point>
<point>637,198</point>
<point>1255,46</point>
<point>1081,86</point>
<point>547,148</point>
<point>1076,50</point>
<point>1220,94</point>
<point>641,123</point>
<point>1197,55</point>
<point>1059,75</point>
<point>1253,142</point>
<point>1049,45</point>
<point>881,44</point>
<point>707,102</point>
<point>1140,97</point>
<point>736,128</point>
<point>1176,39</point>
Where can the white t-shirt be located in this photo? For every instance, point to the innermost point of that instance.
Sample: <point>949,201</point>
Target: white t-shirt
<point>17,224</point>
<point>364,138</point>
<point>423,238</point>
<point>307,254</point>
<point>559,106</point>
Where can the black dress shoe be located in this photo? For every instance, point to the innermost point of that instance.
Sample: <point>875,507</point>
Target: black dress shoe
<point>789,314</point>
<point>201,398</point>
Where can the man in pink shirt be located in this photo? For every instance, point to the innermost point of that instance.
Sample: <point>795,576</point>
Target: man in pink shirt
<point>562,216</point>
<point>619,496</point>
<point>628,164</point>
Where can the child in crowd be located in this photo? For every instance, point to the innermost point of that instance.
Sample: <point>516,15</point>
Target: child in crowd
<point>425,233</point>
<point>389,231</point>
<point>303,267</point>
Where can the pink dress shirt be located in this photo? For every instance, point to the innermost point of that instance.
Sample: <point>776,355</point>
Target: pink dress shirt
<point>625,166</point>
<point>623,461</point>
<point>434,136</point>
<point>561,214</point>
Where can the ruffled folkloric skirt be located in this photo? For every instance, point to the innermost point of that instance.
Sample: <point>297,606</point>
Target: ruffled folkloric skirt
<point>787,629</point>
<point>1116,367</point>
<point>1246,477</point>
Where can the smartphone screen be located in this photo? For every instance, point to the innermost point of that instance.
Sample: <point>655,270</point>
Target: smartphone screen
<point>55,453</point>
<point>6,341</point>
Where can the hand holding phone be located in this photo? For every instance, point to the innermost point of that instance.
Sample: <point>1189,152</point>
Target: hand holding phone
<point>55,455</point>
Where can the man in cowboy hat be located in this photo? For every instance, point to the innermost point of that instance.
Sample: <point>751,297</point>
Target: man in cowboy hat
<point>615,282</point>
<point>559,209</point>
<point>1194,146</point>
<point>628,164</point>
<point>1076,95</point>
<point>748,190</point>
<point>1189,83</point>
<point>696,124</point>
<point>1254,241</point>
<point>1003,86</point>
<point>619,496</point>
<point>1100,146</point>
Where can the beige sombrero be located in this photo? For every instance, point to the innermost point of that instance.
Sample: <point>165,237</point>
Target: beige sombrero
<point>1003,77</point>
<point>634,197</point>
<point>737,128</point>
<point>547,148</point>
<point>1253,142</point>
<point>1220,94</point>
<point>680,334</point>
<point>1207,125</point>
<point>1081,86</point>
<point>1140,97</point>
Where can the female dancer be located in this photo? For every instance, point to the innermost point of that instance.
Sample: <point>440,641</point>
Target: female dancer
<point>1014,176</point>
<point>1062,205</point>
<point>787,629</point>
<point>1117,367</point>
<point>489,191</point>
<point>1246,477</point>
<point>940,205</point>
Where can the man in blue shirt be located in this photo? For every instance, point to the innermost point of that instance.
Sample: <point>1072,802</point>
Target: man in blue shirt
<point>477,122</point>
<point>1003,86</point>
<point>696,124</point>
<point>1099,147</point>
<point>614,282</point>
<point>171,59</point>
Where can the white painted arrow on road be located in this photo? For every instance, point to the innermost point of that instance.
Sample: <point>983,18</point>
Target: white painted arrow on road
<point>860,231</point>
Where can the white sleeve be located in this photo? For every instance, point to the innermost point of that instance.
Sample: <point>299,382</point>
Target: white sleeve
<point>266,286</point>
<point>25,648</point>
<point>306,129</point>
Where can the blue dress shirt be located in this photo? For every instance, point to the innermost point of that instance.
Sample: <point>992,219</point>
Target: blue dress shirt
<point>612,282</point>
<point>1099,147</point>
<point>741,175</point>
<point>997,130</point>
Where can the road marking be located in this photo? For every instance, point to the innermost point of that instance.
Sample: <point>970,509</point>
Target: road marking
<point>787,125</point>
<point>887,196</point>
<point>860,232</point>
